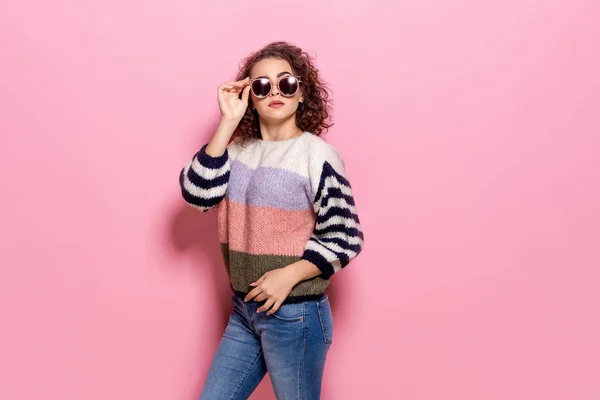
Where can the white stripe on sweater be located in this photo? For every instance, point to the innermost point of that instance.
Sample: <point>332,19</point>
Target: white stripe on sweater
<point>337,248</point>
<point>208,173</point>
<point>333,182</point>
<point>353,240</point>
<point>198,191</point>
<point>195,191</point>
<point>337,219</point>
<point>337,202</point>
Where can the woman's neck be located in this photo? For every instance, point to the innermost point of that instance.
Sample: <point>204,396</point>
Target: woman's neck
<point>279,131</point>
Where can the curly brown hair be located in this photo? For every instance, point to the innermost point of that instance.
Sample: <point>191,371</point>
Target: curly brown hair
<point>313,114</point>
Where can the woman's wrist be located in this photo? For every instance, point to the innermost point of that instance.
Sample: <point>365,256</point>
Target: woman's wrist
<point>229,122</point>
<point>303,270</point>
<point>220,140</point>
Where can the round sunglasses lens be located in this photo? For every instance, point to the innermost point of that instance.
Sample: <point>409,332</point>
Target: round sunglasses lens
<point>261,87</point>
<point>288,85</point>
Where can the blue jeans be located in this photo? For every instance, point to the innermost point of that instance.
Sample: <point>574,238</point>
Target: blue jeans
<point>291,345</point>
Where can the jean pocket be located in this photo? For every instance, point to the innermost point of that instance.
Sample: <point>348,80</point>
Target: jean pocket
<point>326,319</point>
<point>291,312</point>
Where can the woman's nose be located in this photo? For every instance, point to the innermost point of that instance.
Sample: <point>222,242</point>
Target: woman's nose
<point>274,89</point>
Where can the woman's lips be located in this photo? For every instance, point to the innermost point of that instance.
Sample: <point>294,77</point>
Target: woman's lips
<point>276,104</point>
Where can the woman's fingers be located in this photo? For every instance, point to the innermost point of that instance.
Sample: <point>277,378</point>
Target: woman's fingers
<point>275,307</point>
<point>245,94</point>
<point>224,89</point>
<point>237,84</point>
<point>252,294</point>
<point>261,297</point>
<point>233,87</point>
<point>233,99</point>
<point>266,306</point>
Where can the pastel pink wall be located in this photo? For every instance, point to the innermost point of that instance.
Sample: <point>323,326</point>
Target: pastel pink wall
<point>470,131</point>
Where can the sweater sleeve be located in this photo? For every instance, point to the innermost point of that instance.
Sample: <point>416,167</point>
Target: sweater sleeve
<point>204,179</point>
<point>337,237</point>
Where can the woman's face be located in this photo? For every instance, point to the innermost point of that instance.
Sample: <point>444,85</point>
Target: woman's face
<point>271,107</point>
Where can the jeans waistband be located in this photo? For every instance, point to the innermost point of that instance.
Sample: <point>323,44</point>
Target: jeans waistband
<point>289,299</point>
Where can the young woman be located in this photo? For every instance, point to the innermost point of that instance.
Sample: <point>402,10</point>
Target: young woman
<point>287,223</point>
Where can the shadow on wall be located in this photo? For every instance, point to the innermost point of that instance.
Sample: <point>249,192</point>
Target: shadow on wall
<point>195,234</point>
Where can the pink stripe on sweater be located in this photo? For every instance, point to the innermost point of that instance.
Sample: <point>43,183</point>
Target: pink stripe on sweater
<point>264,230</point>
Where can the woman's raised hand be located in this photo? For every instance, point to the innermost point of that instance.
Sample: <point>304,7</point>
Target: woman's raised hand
<point>232,107</point>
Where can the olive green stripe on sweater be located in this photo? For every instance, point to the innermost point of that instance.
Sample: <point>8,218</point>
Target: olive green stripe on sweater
<point>244,268</point>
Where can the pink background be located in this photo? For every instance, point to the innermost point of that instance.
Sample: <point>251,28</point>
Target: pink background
<point>470,131</point>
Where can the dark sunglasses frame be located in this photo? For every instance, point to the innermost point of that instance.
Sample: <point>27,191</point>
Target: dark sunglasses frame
<point>273,85</point>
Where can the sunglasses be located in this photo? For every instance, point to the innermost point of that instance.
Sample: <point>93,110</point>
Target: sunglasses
<point>288,86</point>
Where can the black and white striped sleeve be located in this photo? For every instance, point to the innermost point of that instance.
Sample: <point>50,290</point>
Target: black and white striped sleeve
<point>204,179</point>
<point>337,237</point>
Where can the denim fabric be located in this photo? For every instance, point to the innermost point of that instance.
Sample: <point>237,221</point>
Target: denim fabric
<point>291,345</point>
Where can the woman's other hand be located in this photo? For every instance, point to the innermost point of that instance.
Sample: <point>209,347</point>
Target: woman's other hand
<point>274,287</point>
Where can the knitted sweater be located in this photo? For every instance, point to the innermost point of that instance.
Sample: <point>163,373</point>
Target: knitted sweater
<point>278,202</point>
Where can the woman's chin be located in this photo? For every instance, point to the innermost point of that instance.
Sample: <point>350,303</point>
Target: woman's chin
<point>274,115</point>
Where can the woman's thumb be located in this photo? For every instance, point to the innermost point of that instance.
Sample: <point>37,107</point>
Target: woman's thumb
<point>246,94</point>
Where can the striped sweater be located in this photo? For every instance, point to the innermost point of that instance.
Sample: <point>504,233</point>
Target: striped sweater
<point>278,202</point>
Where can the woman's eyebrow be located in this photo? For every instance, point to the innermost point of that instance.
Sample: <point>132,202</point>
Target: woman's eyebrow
<point>278,75</point>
